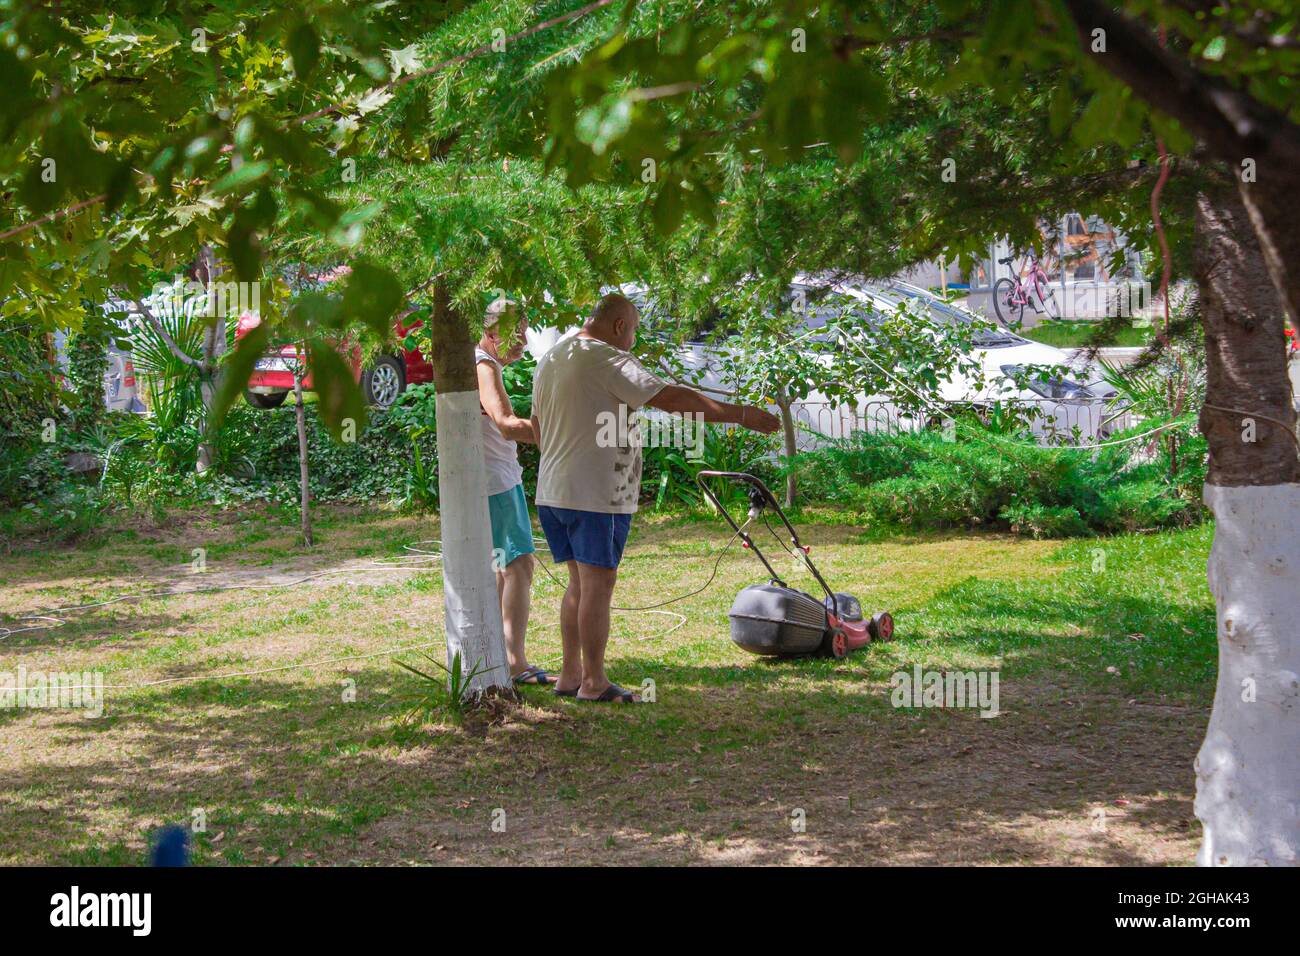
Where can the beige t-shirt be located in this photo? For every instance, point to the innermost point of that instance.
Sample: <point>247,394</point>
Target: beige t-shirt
<point>585,395</point>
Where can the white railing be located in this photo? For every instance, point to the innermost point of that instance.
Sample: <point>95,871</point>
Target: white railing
<point>1051,422</point>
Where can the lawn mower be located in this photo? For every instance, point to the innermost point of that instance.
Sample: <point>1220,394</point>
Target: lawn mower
<point>774,619</point>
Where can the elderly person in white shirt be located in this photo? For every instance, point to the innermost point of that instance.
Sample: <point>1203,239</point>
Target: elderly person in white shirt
<point>512,534</point>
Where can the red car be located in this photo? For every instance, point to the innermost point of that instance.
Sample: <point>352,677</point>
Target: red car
<point>381,382</point>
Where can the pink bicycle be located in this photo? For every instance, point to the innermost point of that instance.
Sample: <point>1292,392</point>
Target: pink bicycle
<point>1010,296</point>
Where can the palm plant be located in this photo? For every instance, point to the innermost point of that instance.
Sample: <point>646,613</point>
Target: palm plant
<point>450,695</point>
<point>1145,389</point>
<point>1166,391</point>
<point>174,387</point>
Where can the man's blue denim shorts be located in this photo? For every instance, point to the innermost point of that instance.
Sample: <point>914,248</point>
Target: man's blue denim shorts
<point>588,537</point>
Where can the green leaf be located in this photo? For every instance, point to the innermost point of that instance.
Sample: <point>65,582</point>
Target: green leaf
<point>238,179</point>
<point>322,212</point>
<point>67,161</point>
<point>16,81</point>
<point>121,186</point>
<point>304,47</point>
<point>338,397</point>
<point>700,203</point>
<point>1094,124</point>
<point>1176,138</point>
<point>1061,110</point>
<point>668,208</point>
<point>601,125</point>
<point>372,295</point>
<point>314,311</point>
<point>243,249</point>
<point>235,372</point>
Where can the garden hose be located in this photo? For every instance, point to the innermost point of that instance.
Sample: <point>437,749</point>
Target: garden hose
<point>681,597</point>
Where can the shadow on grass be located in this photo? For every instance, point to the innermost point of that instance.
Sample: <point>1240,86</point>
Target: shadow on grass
<point>283,769</point>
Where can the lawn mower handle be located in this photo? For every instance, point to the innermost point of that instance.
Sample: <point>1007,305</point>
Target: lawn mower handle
<point>768,500</point>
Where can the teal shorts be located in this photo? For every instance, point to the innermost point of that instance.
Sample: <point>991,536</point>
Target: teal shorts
<point>512,532</point>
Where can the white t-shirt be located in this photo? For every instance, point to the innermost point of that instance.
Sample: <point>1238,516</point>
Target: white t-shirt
<point>585,395</point>
<point>500,454</point>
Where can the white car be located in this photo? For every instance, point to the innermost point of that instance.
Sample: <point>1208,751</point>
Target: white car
<point>1078,399</point>
<point>1061,409</point>
<point>119,377</point>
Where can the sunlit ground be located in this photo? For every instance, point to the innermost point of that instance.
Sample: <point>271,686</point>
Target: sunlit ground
<point>1104,651</point>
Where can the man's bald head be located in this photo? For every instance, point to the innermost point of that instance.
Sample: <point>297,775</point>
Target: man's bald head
<point>614,320</point>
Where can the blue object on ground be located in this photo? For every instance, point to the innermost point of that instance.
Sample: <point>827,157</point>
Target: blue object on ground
<point>171,847</point>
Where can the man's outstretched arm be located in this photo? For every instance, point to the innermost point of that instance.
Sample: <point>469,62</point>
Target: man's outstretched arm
<point>679,398</point>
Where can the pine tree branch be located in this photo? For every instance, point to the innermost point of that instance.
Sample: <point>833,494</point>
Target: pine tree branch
<point>848,44</point>
<point>489,47</point>
<point>1231,123</point>
<point>335,107</point>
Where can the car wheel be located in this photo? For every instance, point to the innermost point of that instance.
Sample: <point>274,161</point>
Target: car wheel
<point>266,400</point>
<point>382,383</point>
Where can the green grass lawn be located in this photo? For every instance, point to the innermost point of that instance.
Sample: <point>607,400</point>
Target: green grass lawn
<point>1104,648</point>
<point>1074,333</point>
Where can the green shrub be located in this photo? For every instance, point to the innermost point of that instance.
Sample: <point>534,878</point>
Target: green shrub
<point>1044,521</point>
<point>87,365</point>
<point>922,481</point>
<point>375,465</point>
<point>668,474</point>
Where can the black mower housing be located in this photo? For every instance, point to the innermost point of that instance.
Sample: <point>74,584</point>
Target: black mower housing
<point>770,619</point>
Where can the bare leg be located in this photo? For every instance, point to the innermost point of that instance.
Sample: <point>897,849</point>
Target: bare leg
<point>593,626</point>
<point>514,588</point>
<point>571,670</point>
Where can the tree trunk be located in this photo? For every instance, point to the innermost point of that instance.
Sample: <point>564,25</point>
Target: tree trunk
<point>787,432</point>
<point>304,490</point>
<point>1259,144</point>
<point>206,271</point>
<point>472,607</point>
<point>1248,768</point>
<point>1246,255</point>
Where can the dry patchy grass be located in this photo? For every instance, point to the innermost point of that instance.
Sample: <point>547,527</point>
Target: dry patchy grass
<point>1106,680</point>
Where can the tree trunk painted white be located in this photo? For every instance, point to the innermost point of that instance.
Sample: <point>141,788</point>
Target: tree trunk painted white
<point>472,608</point>
<point>1248,769</point>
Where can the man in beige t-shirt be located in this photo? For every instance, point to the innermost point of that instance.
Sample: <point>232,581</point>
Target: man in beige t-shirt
<point>586,393</point>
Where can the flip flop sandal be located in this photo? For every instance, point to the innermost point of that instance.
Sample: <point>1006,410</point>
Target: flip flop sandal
<point>565,693</point>
<point>611,693</point>
<point>533,676</point>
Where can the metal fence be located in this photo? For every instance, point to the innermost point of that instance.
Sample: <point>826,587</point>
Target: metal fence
<point>1050,422</point>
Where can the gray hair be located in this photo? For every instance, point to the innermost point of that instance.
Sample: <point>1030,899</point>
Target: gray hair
<point>497,308</point>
